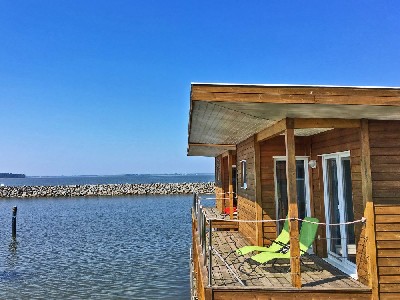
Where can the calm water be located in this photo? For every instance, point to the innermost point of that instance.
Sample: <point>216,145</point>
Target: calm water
<point>134,247</point>
<point>116,179</point>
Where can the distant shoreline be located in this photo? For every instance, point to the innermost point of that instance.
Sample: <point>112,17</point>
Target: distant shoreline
<point>88,190</point>
<point>11,175</point>
<point>118,175</point>
<point>106,179</point>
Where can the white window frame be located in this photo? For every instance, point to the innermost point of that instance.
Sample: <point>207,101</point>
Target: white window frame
<point>340,262</point>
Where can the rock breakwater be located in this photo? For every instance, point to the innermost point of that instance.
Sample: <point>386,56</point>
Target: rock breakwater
<point>106,190</point>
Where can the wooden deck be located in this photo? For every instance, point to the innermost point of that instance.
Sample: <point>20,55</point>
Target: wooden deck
<point>319,279</point>
<point>315,272</point>
<point>214,213</point>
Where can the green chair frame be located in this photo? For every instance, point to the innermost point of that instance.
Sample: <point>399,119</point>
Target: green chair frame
<point>307,236</point>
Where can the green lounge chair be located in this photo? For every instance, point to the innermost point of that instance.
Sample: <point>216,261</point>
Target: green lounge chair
<point>307,237</point>
<point>281,241</point>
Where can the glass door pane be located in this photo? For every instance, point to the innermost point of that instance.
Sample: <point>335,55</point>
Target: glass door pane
<point>301,189</point>
<point>281,191</point>
<point>335,242</point>
<point>348,210</point>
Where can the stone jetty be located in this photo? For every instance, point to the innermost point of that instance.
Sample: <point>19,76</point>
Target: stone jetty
<point>106,190</point>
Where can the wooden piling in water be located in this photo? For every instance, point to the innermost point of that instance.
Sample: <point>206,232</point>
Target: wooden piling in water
<point>14,222</point>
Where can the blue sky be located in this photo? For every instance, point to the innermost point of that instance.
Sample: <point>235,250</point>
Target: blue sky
<point>102,87</point>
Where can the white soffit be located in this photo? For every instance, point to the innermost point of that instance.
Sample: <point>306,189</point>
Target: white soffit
<point>233,122</point>
<point>213,123</point>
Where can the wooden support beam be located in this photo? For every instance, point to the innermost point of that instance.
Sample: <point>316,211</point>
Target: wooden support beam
<point>292,203</point>
<point>366,184</point>
<point>326,123</point>
<point>296,94</point>
<point>224,146</point>
<point>304,123</point>
<point>259,210</point>
<point>225,154</point>
<point>230,163</point>
<point>274,130</point>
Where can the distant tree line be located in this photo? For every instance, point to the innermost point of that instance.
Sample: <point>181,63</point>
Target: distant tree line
<point>11,175</point>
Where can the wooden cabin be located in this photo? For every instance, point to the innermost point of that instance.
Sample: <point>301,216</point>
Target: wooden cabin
<point>283,151</point>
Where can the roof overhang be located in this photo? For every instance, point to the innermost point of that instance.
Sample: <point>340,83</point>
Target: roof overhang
<point>223,115</point>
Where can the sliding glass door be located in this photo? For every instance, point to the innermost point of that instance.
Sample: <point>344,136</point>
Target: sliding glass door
<point>338,210</point>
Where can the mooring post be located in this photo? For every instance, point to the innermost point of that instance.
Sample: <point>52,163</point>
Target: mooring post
<point>14,222</point>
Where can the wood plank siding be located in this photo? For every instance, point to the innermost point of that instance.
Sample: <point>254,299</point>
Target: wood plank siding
<point>219,195</point>
<point>385,168</point>
<point>247,196</point>
<point>339,140</point>
<point>222,180</point>
<point>218,183</point>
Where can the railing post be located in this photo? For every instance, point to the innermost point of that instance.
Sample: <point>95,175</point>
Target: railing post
<point>194,202</point>
<point>210,253</point>
<point>204,238</point>
<point>198,206</point>
<point>201,226</point>
<point>191,272</point>
<point>230,163</point>
<point>199,222</point>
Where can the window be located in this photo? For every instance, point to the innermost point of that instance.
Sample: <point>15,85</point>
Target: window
<point>243,167</point>
<point>303,194</point>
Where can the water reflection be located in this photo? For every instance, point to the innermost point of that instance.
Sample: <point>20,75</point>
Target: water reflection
<point>13,245</point>
<point>125,248</point>
<point>12,248</point>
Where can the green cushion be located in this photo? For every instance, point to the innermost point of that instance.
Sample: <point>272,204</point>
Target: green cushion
<point>276,245</point>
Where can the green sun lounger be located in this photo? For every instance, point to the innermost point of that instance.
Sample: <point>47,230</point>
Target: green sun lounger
<point>307,237</point>
<point>281,241</point>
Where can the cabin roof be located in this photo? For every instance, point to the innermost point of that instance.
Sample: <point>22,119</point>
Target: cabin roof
<point>223,115</point>
<point>294,85</point>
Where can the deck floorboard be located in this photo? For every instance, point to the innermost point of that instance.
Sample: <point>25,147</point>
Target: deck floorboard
<point>315,272</point>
